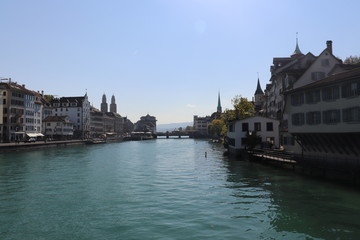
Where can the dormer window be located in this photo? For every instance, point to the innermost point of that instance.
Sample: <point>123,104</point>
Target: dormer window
<point>317,76</point>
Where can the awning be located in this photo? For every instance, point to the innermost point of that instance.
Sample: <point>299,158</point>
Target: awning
<point>35,134</point>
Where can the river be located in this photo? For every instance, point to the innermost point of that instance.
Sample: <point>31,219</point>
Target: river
<point>165,189</point>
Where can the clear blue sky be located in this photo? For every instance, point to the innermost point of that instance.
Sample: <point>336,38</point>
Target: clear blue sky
<point>167,58</point>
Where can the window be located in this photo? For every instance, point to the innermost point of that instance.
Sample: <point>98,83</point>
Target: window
<point>313,96</point>
<point>5,110</point>
<point>245,127</point>
<point>4,101</point>
<point>231,127</point>
<point>297,119</point>
<point>317,76</point>
<point>243,141</point>
<point>4,93</point>
<point>351,114</point>
<point>325,62</point>
<point>257,127</point>
<point>4,119</point>
<point>231,142</point>
<point>330,93</point>
<point>313,118</point>
<point>269,127</point>
<point>351,89</point>
<point>297,99</point>
<point>331,116</point>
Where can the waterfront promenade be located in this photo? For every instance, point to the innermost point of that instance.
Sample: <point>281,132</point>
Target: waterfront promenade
<point>17,146</point>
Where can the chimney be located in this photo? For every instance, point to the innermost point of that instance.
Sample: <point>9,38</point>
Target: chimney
<point>329,46</point>
<point>42,92</point>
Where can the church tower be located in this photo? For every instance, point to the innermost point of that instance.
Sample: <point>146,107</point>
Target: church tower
<point>297,52</point>
<point>219,109</point>
<point>113,104</point>
<point>259,97</point>
<point>104,105</point>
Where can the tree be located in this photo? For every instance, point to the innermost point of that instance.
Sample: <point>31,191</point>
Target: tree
<point>215,127</point>
<point>49,98</point>
<point>355,60</point>
<point>243,108</point>
<point>188,128</point>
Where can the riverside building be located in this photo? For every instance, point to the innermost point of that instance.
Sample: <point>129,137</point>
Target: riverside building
<point>20,112</point>
<point>324,117</point>
<point>78,111</point>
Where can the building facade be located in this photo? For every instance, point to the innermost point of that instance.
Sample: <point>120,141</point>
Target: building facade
<point>266,128</point>
<point>78,111</point>
<point>58,128</point>
<point>146,124</point>
<point>325,116</point>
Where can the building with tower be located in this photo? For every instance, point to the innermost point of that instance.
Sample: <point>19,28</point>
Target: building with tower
<point>113,105</point>
<point>104,105</point>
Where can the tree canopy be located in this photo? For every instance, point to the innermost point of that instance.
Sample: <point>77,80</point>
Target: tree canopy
<point>355,60</point>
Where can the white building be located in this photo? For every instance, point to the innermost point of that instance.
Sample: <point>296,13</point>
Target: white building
<point>266,128</point>
<point>78,110</point>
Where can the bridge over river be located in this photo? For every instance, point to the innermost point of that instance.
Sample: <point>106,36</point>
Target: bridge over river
<point>179,134</point>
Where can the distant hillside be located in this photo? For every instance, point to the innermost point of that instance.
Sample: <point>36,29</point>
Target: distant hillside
<point>172,126</point>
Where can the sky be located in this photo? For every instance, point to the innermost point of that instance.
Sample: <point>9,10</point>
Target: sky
<point>166,58</point>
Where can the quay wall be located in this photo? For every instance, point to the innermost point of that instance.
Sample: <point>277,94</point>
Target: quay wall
<point>38,145</point>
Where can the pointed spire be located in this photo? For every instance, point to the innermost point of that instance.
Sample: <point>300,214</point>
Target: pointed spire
<point>219,108</point>
<point>297,51</point>
<point>258,88</point>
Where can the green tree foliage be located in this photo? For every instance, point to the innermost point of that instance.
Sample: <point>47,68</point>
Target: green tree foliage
<point>215,127</point>
<point>188,128</point>
<point>49,98</point>
<point>355,60</point>
<point>243,108</point>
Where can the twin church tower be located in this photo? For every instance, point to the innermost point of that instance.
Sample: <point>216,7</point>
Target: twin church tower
<point>104,105</point>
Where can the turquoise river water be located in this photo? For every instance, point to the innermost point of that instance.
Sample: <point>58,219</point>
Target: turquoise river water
<point>165,189</point>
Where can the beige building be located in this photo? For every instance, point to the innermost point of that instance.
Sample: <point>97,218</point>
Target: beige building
<point>324,116</point>
<point>291,73</point>
<point>20,112</point>
<point>58,127</point>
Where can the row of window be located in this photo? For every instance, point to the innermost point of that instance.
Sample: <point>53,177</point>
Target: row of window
<point>350,89</point>
<point>257,127</point>
<point>349,115</point>
<point>65,104</point>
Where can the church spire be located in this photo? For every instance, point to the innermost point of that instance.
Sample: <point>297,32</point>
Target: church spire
<point>258,88</point>
<point>219,108</point>
<point>297,51</point>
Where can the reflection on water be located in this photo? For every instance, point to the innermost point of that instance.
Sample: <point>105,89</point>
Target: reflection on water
<point>165,189</point>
